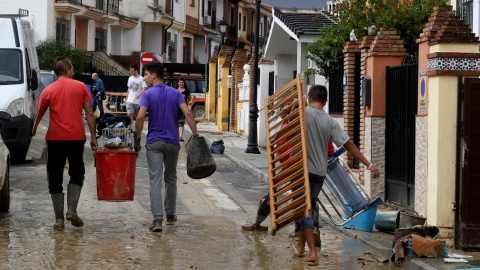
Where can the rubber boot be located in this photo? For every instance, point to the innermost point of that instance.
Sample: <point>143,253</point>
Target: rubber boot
<point>72,201</point>
<point>58,208</point>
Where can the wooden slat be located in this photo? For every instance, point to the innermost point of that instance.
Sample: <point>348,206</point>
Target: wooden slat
<point>280,113</point>
<point>287,143</point>
<point>288,98</point>
<point>290,161</point>
<point>295,176</point>
<point>286,88</point>
<point>288,197</point>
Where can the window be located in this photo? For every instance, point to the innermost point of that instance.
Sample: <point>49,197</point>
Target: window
<point>11,66</point>
<point>100,40</point>
<point>209,8</point>
<point>192,2</point>
<point>240,21</point>
<point>63,30</point>
<point>467,12</point>
<point>100,4</point>
<point>187,50</point>
<point>244,23</point>
<point>112,7</point>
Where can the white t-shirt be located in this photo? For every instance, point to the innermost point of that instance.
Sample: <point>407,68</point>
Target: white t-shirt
<point>135,85</point>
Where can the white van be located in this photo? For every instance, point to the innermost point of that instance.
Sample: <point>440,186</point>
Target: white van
<point>19,83</point>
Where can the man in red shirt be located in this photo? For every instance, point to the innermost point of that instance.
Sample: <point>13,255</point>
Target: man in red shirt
<point>66,138</point>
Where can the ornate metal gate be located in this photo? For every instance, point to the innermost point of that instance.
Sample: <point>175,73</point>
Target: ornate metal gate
<point>401,107</point>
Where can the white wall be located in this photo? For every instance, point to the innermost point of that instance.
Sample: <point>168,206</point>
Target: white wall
<point>285,64</point>
<point>116,40</point>
<point>199,52</point>
<point>219,9</point>
<point>262,95</point>
<point>153,38</point>
<point>179,10</point>
<point>40,11</point>
<point>132,39</point>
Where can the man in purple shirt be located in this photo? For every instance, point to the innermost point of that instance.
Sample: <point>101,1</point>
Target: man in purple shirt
<point>162,103</point>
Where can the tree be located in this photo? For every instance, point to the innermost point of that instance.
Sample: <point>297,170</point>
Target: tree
<point>408,17</point>
<point>50,49</point>
<point>326,49</point>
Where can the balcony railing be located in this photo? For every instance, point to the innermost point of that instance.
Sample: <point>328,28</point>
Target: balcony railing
<point>261,40</point>
<point>110,8</point>
<point>75,2</point>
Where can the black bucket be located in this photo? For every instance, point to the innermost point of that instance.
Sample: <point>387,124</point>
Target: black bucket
<point>200,162</point>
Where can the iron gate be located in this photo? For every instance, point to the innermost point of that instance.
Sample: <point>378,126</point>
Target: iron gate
<point>335,87</point>
<point>401,107</point>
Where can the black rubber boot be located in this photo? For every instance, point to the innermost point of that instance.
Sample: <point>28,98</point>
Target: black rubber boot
<point>58,208</point>
<point>72,201</point>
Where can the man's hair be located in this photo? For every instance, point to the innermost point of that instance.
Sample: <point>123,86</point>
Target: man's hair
<point>95,75</point>
<point>318,93</point>
<point>155,67</point>
<point>60,64</point>
<point>135,67</point>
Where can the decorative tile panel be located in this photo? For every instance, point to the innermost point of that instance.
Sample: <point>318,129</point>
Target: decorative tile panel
<point>454,63</point>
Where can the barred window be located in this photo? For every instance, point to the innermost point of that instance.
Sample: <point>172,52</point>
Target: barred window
<point>467,12</point>
<point>100,40</point>
<point>63,30</point>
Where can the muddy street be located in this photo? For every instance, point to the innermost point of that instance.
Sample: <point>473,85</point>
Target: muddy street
<point>116,236</point>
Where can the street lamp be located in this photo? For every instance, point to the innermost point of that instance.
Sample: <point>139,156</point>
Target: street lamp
<point>223,30</point>
<point>252,145</point>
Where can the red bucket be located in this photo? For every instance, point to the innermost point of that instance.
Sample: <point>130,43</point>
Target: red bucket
<point>116,175</point>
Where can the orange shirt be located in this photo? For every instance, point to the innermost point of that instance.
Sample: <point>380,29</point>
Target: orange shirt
<point>65,98</point>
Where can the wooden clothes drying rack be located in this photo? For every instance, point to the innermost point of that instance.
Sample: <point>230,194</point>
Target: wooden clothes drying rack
<point>288,181</point>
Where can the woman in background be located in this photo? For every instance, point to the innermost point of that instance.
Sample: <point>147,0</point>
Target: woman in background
<point>183,88</point>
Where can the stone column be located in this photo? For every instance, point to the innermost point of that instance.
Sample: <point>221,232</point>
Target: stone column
<point>210,95</point>
<point>351,48</point>
<point>452,50</point>
<point>386,50</point>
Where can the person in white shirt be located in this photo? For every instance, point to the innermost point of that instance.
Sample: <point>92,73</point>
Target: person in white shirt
<point>136,85</point>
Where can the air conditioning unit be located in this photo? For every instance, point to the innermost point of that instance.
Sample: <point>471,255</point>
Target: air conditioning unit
<point>169,37</point>
<point>207,20</point>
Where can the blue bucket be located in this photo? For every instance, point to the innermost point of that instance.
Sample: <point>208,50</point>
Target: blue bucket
<point>363,222</point>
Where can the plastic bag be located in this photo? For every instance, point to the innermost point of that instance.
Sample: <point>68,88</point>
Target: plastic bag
<point>200,163</point>
<point>217,147</point>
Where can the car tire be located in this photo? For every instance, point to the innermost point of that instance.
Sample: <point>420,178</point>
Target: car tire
<point>199,112</point>
<point>5,192</point>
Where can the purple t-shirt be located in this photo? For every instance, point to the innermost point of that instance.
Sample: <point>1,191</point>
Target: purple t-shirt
<point>163,104</point>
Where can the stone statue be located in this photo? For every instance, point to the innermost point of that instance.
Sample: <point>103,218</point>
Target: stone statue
<point>372,30</point>
<point>352,36</point>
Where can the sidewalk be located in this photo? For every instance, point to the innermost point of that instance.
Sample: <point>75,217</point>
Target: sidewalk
<point>256,164</point>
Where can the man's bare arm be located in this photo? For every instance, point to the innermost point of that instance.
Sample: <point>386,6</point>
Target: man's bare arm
<point>87,106</point>
<point>353,149</point>
<point>189,117</point>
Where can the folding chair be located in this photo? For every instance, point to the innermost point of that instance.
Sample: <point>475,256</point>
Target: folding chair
<point>346,191</point>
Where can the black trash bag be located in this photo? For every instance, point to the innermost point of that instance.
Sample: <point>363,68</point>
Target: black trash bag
<point>200,163</point>
<point>217,147</point>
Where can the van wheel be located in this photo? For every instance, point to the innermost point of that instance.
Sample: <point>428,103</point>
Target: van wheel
<point>5,192</point>
<point>199,112</point>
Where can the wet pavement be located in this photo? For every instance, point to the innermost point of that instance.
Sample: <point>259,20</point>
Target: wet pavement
<point>116,236</point>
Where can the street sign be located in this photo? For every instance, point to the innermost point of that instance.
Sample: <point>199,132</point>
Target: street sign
<point>147,57</point>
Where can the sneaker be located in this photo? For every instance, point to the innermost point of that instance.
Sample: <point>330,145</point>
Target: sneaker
<point>254,228</point>
<point>156,226</point>
<point>316,237</point>
<point>171,219</point>
<point>295,235</point>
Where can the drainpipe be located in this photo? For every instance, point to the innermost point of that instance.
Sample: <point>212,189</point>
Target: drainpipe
<point>165,41</point>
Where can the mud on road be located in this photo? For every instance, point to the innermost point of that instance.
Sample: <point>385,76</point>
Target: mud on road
<point>116,236</point>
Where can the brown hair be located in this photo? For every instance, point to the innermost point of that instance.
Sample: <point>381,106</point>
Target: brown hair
<point>318,93</point>
<point>155,67</point>
<point>60,64</point>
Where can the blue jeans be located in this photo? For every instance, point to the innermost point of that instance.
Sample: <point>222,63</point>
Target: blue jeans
<point>160,153</point>
<point>316,183</point>
<point>97,101</point>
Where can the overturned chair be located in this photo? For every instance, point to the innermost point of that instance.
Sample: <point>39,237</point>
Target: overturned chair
<point>343,192</point>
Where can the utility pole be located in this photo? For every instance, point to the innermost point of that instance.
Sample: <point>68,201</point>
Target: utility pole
<point>252,146</point>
